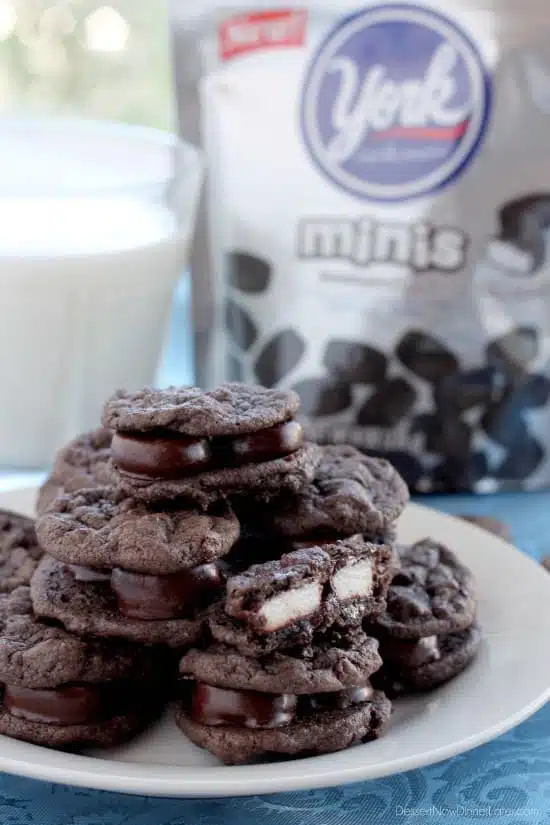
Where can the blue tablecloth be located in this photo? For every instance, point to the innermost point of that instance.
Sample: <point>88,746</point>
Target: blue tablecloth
<point>507,780</point>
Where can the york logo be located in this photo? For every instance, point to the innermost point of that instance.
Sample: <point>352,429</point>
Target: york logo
<point>395,103</point>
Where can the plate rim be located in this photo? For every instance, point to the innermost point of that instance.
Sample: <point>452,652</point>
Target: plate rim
<point>38,762</point>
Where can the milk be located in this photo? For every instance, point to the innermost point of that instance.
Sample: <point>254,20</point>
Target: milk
<point>89,258</point>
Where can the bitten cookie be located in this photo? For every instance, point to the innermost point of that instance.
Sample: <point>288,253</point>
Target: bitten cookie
<point>350,493</point>
<point>205,445</point>
<point>82,463</point>
<point>338,583</point>
<point>282,603</point>
<point>236,634</point>
<point>432,594</point>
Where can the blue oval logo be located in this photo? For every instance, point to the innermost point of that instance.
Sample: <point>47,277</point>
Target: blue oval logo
<point>395,103</point>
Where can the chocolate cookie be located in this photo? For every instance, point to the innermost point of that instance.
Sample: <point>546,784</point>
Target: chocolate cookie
<point>350,493</point>
<point>421,664</point>
<point>82,463</point>
<point>433,593</point>
<point>91,608</point>
<point>292,728</point>
<point>104,733</point>
<point>102,528</point>
<point>336,660</point>
<point>19,550</point>
<point>61,690</point>
<point>38,654</point>
<point>204,445</point>
<point>338,583</point>
<point>229,410</point>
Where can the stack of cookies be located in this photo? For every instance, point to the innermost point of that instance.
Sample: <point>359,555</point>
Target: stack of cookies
<point>142,558</point>
<point>288,666</point>
<point>60,689</point>
<point>428,633</point>
<point>200,529</point>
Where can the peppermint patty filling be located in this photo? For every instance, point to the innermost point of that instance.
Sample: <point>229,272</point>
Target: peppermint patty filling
<point>163,454</point>
<point>214,706</point>
<point>154,598</point>
<point>71,704</point>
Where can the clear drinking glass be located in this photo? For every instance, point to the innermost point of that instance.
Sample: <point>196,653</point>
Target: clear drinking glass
<point>95,223</point>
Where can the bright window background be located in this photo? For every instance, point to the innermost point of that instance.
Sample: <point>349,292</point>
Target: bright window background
<point>103,60</point>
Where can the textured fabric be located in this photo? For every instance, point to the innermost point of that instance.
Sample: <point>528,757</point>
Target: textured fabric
<point>506,781</point>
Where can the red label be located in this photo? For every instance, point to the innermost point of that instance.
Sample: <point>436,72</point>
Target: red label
<point>262,30</point>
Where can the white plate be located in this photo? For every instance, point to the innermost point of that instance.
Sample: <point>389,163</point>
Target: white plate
<point>509,681</point>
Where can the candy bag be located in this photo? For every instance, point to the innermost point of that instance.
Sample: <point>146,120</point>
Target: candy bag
<point>375,227</point>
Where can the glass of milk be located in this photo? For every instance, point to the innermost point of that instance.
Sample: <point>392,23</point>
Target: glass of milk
<point>95,221</point>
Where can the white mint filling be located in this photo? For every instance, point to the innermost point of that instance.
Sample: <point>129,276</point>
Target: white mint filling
<point>353,581</point>
<point>290,606</point>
